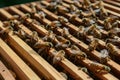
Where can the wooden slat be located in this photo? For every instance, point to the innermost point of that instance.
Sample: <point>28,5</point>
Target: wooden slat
<point>112,2</point>
<point>4,72</point>
<point>17,63</point>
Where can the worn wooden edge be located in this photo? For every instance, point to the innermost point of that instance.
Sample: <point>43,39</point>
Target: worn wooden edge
<point>18,65</point>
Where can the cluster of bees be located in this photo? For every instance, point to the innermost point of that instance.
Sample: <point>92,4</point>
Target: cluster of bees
<point>91,15</point>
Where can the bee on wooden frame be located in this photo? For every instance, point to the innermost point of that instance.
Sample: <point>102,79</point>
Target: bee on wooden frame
<point>64,75</point>
<point>104,56</point>
<point>53,25</point>
<point>62,19</point>
<point>76,53</point>
<point>43,46</point>
<point>112,49</point>
<point>93,45</point>
<point>33,7</point>
<point>65,32</point>
<point>99,68</point>
<point>62,42</point>
<point>59,56</point>
<point>21,33</point>
<point>5,32</point>
<point>41,14</point>
<point>50,36</point>
<point>33,38</point>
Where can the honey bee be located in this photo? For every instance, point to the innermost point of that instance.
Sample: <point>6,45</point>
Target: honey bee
<point>21,33</point>
<point>76,3</point>
<point>77,53</point>
<point>86,21</point>
<point>64,75</point>
<point>80,31</point>
<point>104,56</point>
<point>33,7</point>
<point>50,36</point>
<point>33,38</point>
<point>62,19</point>
<point>73,8</point>
<point>93,45</point>
<point>62,10</point>
<point>113,32</point>
<point>58,56</point>
<point>26,16</point>
<point>84,69</point>
<point>54,24</point>
<point>62,42</point>
<point>103,12</point>
<point>65,32</point>
<point>6,30</point>
<point>115,24</point>
<point>107,24</point>
<point>4,33</point>
<point>52,6</point>
<point>43,46</point>
<point>112,49</point>
<point>99,68</point>
<point>41,14</point>
<point>86,4</point>
<point>92,11</point>
<point>93,30</point>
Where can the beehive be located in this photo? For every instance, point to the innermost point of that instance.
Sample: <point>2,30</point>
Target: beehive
<point>59,40</point>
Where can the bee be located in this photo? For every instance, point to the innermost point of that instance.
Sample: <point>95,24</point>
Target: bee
<point>26,16</point>
<point>112,49</point>
<point>115,24</point>
<point>101,3</point>
<point>62,19</point>
<point>86,21</point>
<point>65,32</point>
<point>6,30</point>
<point>107,24</point>
<point>62,10</point>
<point>77,53</point>
<point>80,31</point>
<point>57,1</point>
<point>113,32</point>
<point>41,14</point>
<point>21,33</point>
<point>76,3</point>
<point>86,4</point>
<point>62,42</point>
<point>4,33</point>
<point>33,38</point>
<point>73,8</point>
<point>99,68</point>
<point>92,11</point>
<point>103,12</point>
<point>93,30</point>
<point>33,8</point>
<point>59,56</point>
<point>54,25</point>
<point>64,75</point>
<point>52,6</point>
<point>104,56</point>
<point>49,37</point>
<point>43,46</point>
<point>84,69</point>
<point>93,45</point>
